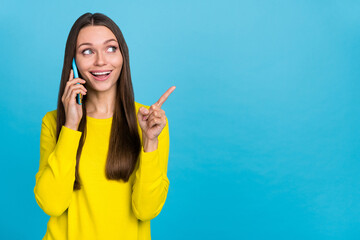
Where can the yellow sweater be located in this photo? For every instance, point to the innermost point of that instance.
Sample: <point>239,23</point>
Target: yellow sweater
<point>102,208</point>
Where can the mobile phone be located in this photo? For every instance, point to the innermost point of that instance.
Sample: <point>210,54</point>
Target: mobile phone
<point>76,75</point>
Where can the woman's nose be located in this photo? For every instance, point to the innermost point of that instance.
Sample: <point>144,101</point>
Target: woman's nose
<point>100,59</point>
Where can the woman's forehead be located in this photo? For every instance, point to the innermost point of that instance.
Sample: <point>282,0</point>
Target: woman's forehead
<point>95,35</point>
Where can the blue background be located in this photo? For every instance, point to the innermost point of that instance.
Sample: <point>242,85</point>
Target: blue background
<point>264,122</point>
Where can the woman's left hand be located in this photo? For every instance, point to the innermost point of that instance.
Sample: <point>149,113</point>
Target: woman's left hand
<point>153,120</point>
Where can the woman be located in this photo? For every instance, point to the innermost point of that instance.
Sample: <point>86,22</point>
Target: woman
<point>99,178</point>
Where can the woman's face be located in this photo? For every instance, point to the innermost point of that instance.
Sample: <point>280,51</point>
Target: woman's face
<point>98,57</point>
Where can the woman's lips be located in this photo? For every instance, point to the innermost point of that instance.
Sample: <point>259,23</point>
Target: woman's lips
<point>101,77</point>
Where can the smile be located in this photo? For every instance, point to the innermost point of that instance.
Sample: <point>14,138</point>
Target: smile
<point>100,75</point>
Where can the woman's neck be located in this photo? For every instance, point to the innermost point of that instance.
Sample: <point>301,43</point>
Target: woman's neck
<point>100,104</point>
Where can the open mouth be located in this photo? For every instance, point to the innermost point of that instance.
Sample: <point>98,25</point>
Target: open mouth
<point>101,75</point>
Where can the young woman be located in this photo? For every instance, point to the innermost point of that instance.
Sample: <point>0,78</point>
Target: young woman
<point>103,164</point>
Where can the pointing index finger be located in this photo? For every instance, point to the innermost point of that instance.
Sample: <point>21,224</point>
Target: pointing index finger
<point>163,98</point>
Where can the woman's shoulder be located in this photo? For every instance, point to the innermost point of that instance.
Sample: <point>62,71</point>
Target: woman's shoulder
<point>49,118</point>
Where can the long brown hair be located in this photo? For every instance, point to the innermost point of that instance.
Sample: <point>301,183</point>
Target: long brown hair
<point>124,145</point>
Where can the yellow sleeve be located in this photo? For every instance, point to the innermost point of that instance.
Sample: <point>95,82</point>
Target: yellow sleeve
<point>56,175</point>
<point>151,183</point>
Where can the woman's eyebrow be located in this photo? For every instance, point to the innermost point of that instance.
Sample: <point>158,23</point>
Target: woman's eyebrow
<point>109,40</point>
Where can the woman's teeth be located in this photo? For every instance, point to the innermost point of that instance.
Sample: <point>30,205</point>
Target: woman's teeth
<point>100,73</point>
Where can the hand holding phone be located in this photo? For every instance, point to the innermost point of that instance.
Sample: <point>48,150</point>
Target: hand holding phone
<point>72,105</point>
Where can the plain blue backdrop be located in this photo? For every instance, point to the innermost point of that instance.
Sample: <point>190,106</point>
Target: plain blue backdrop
<point>264,122</point>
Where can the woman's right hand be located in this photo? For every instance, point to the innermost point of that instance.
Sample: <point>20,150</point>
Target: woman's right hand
<point>73,111</point>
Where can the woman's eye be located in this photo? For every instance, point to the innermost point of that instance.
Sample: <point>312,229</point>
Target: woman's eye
<point>112,49</point>
<point>87,51</point>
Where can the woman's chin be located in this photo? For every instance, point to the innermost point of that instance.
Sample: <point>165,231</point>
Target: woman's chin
<point>97,88</point>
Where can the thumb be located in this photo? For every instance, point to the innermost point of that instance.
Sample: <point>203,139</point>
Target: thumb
<point>142,113</point>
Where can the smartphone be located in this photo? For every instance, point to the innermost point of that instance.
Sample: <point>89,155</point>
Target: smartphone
<point>76,75</point>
